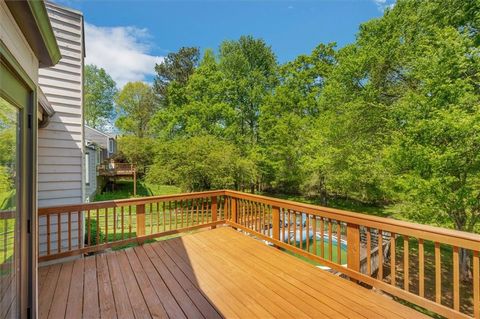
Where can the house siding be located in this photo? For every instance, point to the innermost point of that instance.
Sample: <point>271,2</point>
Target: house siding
<point>60,143</point>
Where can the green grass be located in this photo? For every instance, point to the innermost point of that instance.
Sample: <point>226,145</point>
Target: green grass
<point>124,189</point>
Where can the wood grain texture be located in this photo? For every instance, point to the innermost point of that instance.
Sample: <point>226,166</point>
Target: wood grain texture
<point>209,274</point>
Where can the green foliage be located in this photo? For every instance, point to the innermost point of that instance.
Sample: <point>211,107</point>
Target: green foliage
<point>100,91</point>
<point>94,232</point>
<point>196,163</point>
<point>136,150</point>
<point>136,103</point>
<point>389,119</point>
<point>176,67</point>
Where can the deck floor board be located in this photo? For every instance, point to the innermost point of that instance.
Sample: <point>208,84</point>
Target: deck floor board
<point>209,274</point>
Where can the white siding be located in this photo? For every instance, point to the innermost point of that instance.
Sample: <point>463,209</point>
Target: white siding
<point>60,143</point>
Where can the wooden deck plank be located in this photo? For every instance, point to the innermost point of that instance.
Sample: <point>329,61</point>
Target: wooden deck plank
<point>287,296</point>
<point>250,290</point>
<point>90,293</point>
<point>342,289</point>
<point>192,291</point>
<point>210,274</point>
<point>151,299</point>
<point>59,304</point>
<point>105,293</point>
<point>328,298</point>
<point>166,298</point>
<point>75,294</point>
<point>139,306</point>
<point>48,290</point>
<point>188,307</point>
<point>122,302</point>
<point>221,299</point>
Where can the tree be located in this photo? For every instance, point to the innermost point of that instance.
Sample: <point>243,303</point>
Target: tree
<point>196,163</point>
<point>287,117</point>
<point>176,67</point>
<point>137,150</point>
<point>136,103</point>
<point>100,91</point>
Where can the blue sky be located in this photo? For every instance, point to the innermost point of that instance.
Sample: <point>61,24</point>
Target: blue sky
<point>127,37</point>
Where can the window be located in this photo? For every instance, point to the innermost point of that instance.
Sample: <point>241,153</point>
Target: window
<point>87,168</point>
<point>110,146</point>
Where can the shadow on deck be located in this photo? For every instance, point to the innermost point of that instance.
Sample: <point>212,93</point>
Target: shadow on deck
<point>209,274</point>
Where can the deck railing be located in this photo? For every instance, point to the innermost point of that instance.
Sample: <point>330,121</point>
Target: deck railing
<point>115,168</point>
<point>416,263</point>
<point>85,228</point>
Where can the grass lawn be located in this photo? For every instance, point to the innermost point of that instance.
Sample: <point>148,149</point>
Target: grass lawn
<point>124,189</point>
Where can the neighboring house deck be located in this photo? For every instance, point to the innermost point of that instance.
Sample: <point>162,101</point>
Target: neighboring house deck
<point>208,274</point>
<point>230,271</point>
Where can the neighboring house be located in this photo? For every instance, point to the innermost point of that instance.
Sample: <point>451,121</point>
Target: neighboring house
<point>27,43</point>
<point>99,147</point>
<point>61,139</point>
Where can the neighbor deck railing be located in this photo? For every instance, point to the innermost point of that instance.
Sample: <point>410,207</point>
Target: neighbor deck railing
<point>416,263</point>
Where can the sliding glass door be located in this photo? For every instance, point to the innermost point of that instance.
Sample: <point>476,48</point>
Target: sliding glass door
<point>9,230</point>
<point>18,123</point>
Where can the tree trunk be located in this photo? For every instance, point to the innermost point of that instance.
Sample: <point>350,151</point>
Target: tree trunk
<point>466,274</point>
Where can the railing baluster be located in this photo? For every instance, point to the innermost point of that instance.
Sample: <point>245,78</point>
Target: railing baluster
<point>392,259</point>
<point>59,233</point>
<point>301,230</point>
<point>289,226</point>
<point>151,219</point>
<point>476,284</point>
<point>380,255</point>
<point>421,268</point>
<point>314,231</point>
<point>322,238</point>
<point>106,225</point>
<point>456,280</point>
<point>164,217</point>
<point>438,274</point>
<point>214,210</point>
<point>89,232</point>
<point>181,212</point>
<point>369,252</point>
<point>169,215</point>
<point>339,242</point>
<point>406,274</point>
<point>69,231</point>
<point>97,216</point>
<point>307,232</point>
<point>330,241</point>
<point>129,221</point>
<point>80,230</point>
<point>114,223</point>
<point>123,222</point>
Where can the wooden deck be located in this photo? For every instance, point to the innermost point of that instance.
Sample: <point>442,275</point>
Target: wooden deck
<point>210,274</point>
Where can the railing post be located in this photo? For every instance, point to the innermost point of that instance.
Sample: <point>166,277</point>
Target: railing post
<point>276,222</point>
<point>353,247</point>
<point>214,210</point>
<point>233,208</point>
<point>140,220</point>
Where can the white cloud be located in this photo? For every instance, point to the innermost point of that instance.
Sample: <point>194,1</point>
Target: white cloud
<point>384,4</point>
<point>122,51</point>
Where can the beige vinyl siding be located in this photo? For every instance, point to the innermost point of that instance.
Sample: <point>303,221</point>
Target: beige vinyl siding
<point>60,143</point>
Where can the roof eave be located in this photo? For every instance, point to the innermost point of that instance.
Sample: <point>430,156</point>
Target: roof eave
<point>33,20</point>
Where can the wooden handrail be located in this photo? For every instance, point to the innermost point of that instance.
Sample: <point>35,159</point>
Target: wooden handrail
<point>444,235</point>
